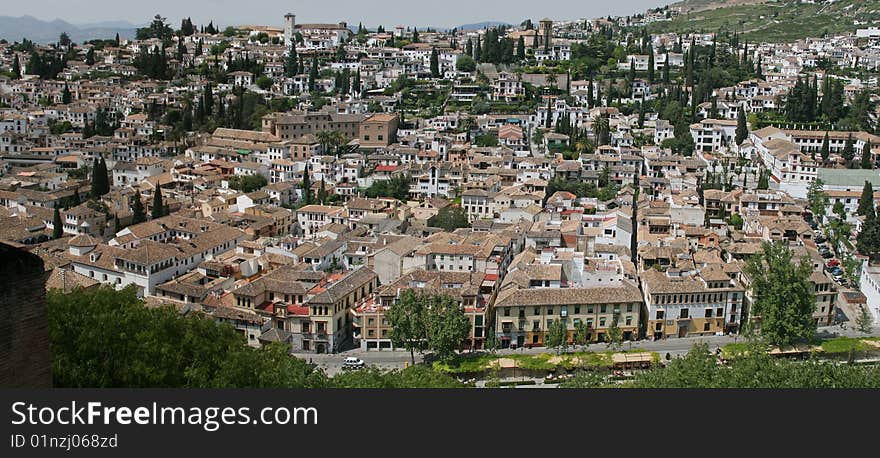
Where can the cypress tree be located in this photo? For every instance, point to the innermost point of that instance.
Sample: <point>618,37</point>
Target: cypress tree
<point>291,65</point>
<point>848,152</point>
<point>102,178</point>
<point>478,51</point>
<point>16,67</point>
<point>548,121</point>
<point>590,92</point>
<point>138,215</point>
<point>435,63</point>
<point>66,97</point>
<point>867,163</point>
<point>826,149</point>
<point>313,74</point>
<point>521,48</point>
<point>866,201</point>
<point>641,115</point>
<point>57,225</point>
<point>666,69</point>
<point>742,129</point>
<point>96,185</point>
<point>469,48</point>
<point>307,186</point>
<point>650,64</point>
<point>158,207</point>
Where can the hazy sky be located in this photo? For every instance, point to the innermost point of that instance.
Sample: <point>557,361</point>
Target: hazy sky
<point>440,13</point>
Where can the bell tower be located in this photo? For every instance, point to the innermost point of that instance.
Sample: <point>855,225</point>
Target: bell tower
<point>289,25</point>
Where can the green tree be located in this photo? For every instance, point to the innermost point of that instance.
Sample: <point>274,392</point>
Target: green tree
<point>138,215</point>
<point>867,162</point>
<point>291,63</point>
<point>447,326</point>
<point>449,219</point>
<point>848,152</point>
<point>264,82</point>
<point>866,200</point>
<point>615,334</point>
<point>306,186</point>
<point>466,63</point>
<point>818,199</point>
<point>435,63</point>
<point>66,97</point>
<point>492,344</point>
<point>16,67</point>
<point>313,75</point>
<point>397,187</point>
<point>408,319</point>
<point>868,240</point>
<point>247,183</point>
<point>100,183</point>
<point>158,209</point>
<point>783,295</point>
<point>754,368</point>
<point>581,333</point>
<point>839,210</point>
<point>742,129</point>
<point>826,149</point>
<point>556,336</point>
<point>57,225</point>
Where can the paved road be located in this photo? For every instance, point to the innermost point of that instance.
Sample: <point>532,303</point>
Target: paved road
<point>396,359</point>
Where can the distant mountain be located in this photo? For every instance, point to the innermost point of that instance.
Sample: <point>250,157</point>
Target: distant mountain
<point>481,25</point>
<point>702,5</point>
<point>780,21</point>
<point>39,31</point>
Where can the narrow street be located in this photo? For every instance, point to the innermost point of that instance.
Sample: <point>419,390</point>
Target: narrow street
<point>398,359</point>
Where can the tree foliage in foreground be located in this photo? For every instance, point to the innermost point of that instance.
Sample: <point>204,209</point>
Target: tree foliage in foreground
<point>753,369</point>
<point>103,338</point>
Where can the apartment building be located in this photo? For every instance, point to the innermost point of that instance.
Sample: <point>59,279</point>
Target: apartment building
<point>688,303</point>
<point>523,316</point>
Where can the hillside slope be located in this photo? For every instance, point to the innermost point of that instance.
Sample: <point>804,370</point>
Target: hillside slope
<point>778,21</point>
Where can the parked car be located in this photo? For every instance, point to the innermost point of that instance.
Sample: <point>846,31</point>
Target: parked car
<point>820,239</point>
<point>826,254</point>
<point>832,263</point>
<point>352,363</point>
<point>836,271</point>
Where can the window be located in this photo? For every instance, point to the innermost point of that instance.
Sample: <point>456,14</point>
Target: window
<point>577,310</point>
<point>590,309</point>
<point>683,314</point>
<point>706,326</point>
<point>659,314</point>
<point>708,313</point>
<point>506,311</point>
<point>537,311</point>
<point>602,322</point>
<point>629,308</point>
<point>550,311</point>
<point>603,308</point>
<point>629,321</point>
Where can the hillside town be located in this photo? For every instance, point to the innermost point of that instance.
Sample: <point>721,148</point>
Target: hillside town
<point>297,180</point>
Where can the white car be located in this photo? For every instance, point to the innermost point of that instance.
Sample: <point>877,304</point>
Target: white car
<point>352,363</point>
